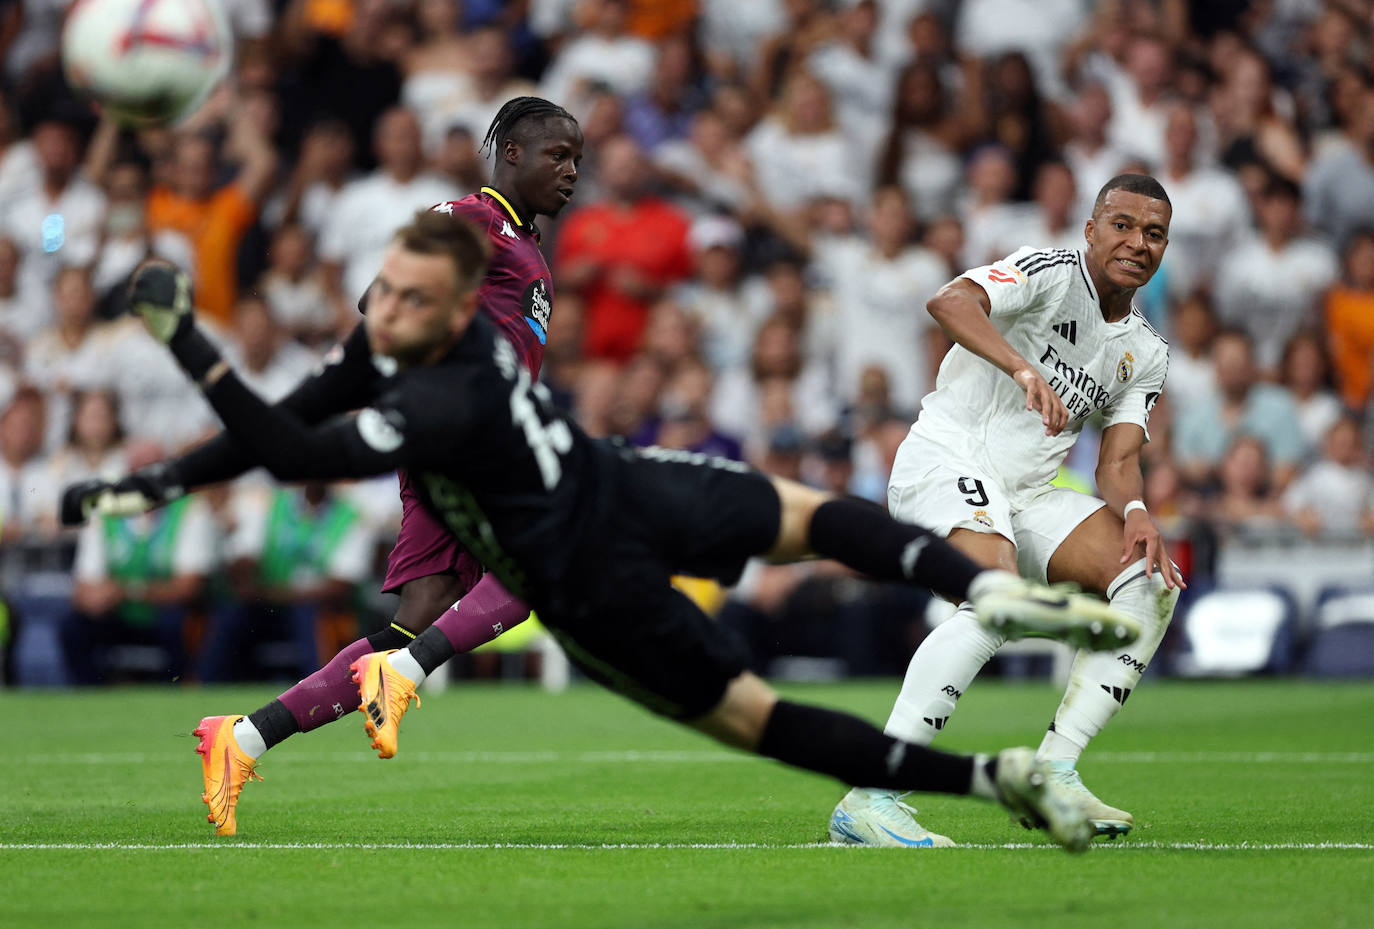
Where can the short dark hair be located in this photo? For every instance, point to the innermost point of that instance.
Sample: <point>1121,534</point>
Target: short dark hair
<point>1141,184</point>
<point>515,111</point>
<point>430,232</point>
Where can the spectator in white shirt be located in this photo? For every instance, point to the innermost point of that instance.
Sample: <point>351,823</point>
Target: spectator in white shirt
<point>25,489</point>
<point>1093,158</point>
<point>1271,285</point>
<point>1211,215</point>
<point>293,287</point>
<point>799,152</point>
<point>1306,372</point>
<point>1140,100</point>
<point>927,134</point>
<point>371,208</point>
<point>57,223</point>
<point>21,315</point>
<point>603,54</point>
<point>1337,493</point>
<point>881,283</point>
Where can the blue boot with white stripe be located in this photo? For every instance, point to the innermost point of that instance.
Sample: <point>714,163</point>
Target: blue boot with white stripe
<point>880,819</point>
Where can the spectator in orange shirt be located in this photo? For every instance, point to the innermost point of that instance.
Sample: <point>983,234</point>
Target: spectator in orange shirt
<point>1350,322</point>
<point>621,253</point>
<point>212,219</point>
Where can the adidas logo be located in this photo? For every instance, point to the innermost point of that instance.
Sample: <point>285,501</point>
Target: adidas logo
<point>1068,330</point>
<point>938,722</point>
<point>1119,694</point>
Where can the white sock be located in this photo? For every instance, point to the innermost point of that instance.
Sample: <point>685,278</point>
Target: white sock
<point>249,738</point>
<point>403,661</point>
<point>938,675</point>
<point>1100,682</point>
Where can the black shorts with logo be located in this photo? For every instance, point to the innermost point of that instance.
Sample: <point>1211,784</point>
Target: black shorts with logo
<point>620,619</point>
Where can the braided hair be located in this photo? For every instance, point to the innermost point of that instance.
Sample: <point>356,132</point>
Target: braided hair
<point>513,112</point>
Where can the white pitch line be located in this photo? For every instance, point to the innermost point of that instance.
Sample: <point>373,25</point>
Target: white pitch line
<point>654,757</point>
<point>651,846</point>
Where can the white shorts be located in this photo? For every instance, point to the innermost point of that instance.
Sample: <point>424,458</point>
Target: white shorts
<point>946,495</point>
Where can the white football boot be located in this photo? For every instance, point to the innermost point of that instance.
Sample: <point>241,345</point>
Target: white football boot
<point>1018,609</point>
<point>867,816</point>
<point>1106,820</point>
<point>1035,796</point>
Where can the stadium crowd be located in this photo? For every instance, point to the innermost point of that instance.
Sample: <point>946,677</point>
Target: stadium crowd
<point>771,192</point>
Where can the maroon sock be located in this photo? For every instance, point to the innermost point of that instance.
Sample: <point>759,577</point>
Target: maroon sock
<point>329,693</point>
<point>484,613</point>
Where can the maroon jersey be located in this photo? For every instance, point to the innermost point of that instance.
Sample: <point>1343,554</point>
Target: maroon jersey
<point>517,292</point>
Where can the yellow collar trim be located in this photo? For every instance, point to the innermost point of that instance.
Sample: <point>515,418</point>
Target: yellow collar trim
<point>505,203</point>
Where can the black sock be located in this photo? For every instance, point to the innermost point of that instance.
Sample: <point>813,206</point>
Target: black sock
<point>393,636</point>
<point>861,535</point>
<point>431,648</point>
<point>274,723</point>
<point>850,750</point>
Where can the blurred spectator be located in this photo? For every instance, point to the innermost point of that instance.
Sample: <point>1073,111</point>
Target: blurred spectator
<point>1306,372</point>
<point>924,141</point>
<point>370,209</point>
<point>22,315</point>
<point>663,111</point>
<point>602,53</point>
<point>986,209</point>
<point>1210,214</point>
<point>1340,182</point>
<point>834,454</point>
<point>293,287</point>
<point>1051,220</point>
<point>137,578</point>
<point>777,364</point>
<point>714,295</point>
<point>683,419</point>
<point>1088,151</point>
<point>1350,321</point>
<point>783,52</point>
<point>799,150</point>
<point>55,223</point>
<point>19,168</point>
<point>672,337</point>
<point>1241,406</point>
<point>459,161</point>
<point>731,33</point>
<point>94,447</point>
<point>267,361</point>
<point>621,253</point>
<point>882,282</point>
<point>1270,285</point>
<point>488,82</point>
<point>125,241</point>
<point>295,554</point>
<point>986,28</point>
<point>1193,325</point>
<point>437,66</point>
<point>317,180</point>
<point>213,217</point>
<point>25,492</point>
<point>73,352</point>
<point>1019,118</point>
<point>343,69</point>
<point>708,169</point>
<point>1245,497</point>
<point>1254,118</point>
<point>1140,99</point>
<point>1336,494</point>
<point>859,77</point>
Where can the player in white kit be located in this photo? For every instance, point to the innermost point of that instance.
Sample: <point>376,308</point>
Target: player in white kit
<point>1044,340</point>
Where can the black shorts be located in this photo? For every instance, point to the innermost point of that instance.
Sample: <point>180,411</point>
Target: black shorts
<point>619,618</point>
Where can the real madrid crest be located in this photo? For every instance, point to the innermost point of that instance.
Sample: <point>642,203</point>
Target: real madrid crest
<point>982,518</point>
<point>1125,367</point>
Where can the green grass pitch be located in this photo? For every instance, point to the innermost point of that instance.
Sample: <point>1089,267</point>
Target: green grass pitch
<point>507,807</point>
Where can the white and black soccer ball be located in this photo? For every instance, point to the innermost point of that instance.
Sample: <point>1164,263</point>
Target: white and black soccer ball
<point>147,62</point>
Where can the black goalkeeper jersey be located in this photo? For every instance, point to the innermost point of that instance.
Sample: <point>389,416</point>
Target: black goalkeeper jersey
<point>517,481</point>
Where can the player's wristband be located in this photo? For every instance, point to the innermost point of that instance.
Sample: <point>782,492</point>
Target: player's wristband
<point>1133,505</point>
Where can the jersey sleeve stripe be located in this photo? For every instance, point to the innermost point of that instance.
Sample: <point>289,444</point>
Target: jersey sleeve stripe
<point>1036,260</point>
<point>1052,263</point>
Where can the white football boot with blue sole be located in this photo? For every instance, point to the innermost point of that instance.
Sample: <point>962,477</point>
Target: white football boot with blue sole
<point>1106,820</point>
<point>1020,609</point>
<point>880,819</point>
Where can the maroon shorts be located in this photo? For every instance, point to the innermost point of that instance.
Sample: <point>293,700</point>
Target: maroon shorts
<point>423,547</point>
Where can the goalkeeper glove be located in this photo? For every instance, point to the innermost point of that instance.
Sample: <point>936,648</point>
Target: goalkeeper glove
<point>144,490</point>
<point>161,295</point>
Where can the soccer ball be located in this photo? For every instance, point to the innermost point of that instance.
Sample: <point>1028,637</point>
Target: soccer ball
<point>147,62</point>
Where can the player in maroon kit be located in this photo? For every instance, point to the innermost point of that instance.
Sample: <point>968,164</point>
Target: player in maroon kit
<point>537,146</point>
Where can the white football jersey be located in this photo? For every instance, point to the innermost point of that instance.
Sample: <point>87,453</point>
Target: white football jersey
<point>1045,306</point>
